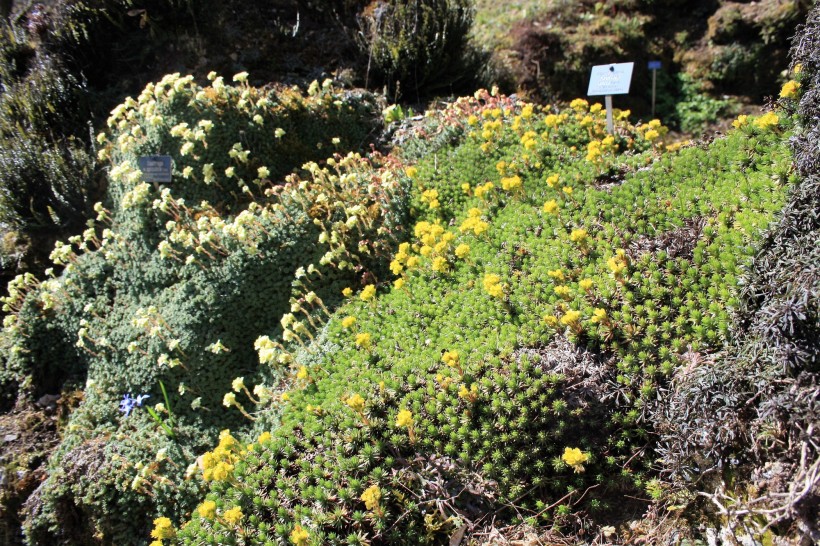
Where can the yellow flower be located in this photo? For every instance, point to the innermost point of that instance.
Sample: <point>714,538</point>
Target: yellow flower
<point>264,437</point>
<point>465,187</point>
<point>207,509</point>
<point>766,120</point>
<point>356,403</point>
<point>299,536</point>
<point>404,419</point>
<point>492,284</point>
<point>348,321</point>
<point>398,283</point>
<point>368,292</point>
<point>233,516</point>
<point>570,318</point>
<point>440,264</point>
<point>789,89</point>
<point>578,235</point>
<point>302,373</point>
<point>526,111</point>
<point>651,134</point>
<point>396,267</point>
<point>347,292</point>
<point>511,183</point>
<point>450,358</point>
<point>411,172</point>
<point>472,120</point>
<point>551,206</point>
<point>221,471</point>
<point>462,250</point>
<point>598,315</point>
<point>618,263</point>
<point>551,320</point>
<point>585,284</point>
<point>567,190</point>
<point>470,395</point>
<point>575,458</point>
<point>563,291</point>
<point>163,529</point>
<point>556,274</point>
<point>363,340</point>
<point>371,497</point>
<point>740,121</point>
<point>579,105</point>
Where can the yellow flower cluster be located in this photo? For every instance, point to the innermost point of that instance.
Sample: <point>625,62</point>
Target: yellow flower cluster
<point>431,198</point>
<point>451,358</point>
<point>789,89</point>
<point>741,121</point>
<point>579,236</point>
<point>554,120</point>
<point>598,316</point>
<point>368,292</point>
<point>551,207</point>
<point>363,340</point>
<point>371,497</point>
<point>356,403</point>
<point>490,128</point>
<point>597,148</point>
<point>511,183</point>
<point>563,291</point>
<point>556,274</point>
<point>529,140</point>
<point>575,458</point>
<point>474,223</point>
<point>404,419</point>
<point>299,536</point>
<point>493,286</point>
<point>219,463</point>
<point>618,263</point>
<point>207,509</point>
<point>470,395</point>
<point>769,119</point>
<point>233,516</point>
<point>348,321</point>
<point>163,529</point>
<point>483,189</point>
<point>653,130</point>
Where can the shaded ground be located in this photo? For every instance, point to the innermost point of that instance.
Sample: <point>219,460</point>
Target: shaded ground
<point>27,437</point>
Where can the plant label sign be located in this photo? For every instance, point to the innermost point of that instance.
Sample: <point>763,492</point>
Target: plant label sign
<point>610,79</point>
<point>155,168</point>
<point>654,65</point>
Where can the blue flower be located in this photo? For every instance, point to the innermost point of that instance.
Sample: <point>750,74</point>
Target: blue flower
<point>128,403</point>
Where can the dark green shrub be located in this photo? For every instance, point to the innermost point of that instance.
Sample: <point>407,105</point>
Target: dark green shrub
<point>415,46</point>
<point>46,165</point>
